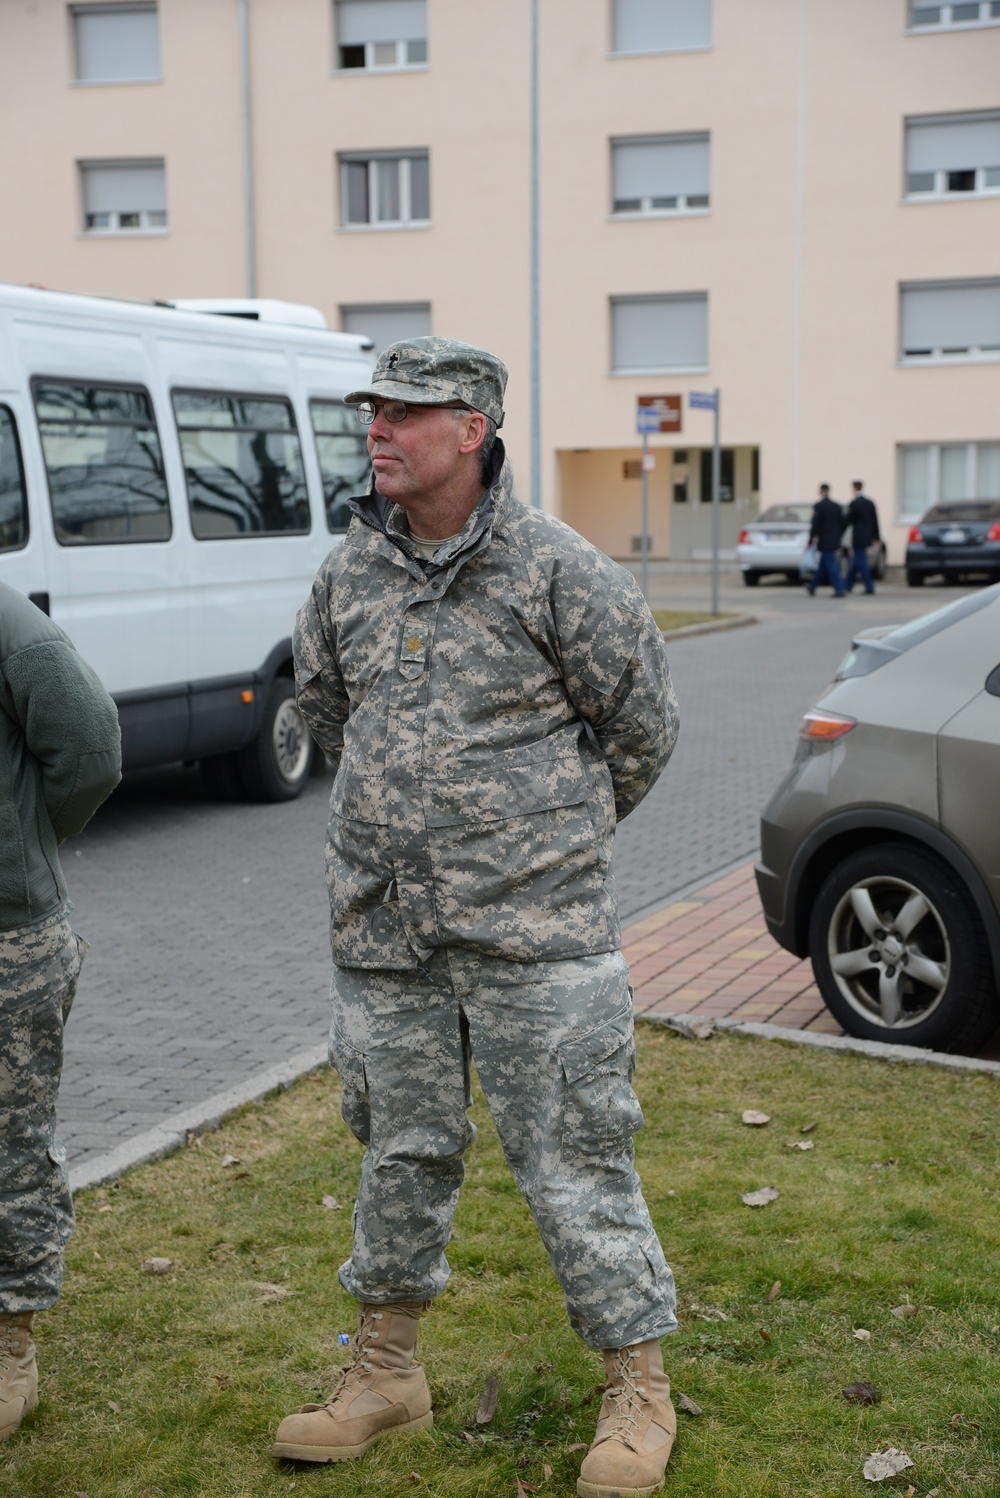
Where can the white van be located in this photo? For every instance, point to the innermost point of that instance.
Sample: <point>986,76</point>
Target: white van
<point>170,481</point>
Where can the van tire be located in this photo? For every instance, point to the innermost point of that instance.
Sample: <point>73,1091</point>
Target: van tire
<point>276,764</point>
<point>220,775</point>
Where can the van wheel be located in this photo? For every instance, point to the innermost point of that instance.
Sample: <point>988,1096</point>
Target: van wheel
<point>276,763</point>
<point>899,950</point>
<point>220,775</point>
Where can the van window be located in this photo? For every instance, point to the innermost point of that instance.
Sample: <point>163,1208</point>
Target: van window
<point>342,448</point>
<point>103,460</point>
<point>243,465</point>
<point>13,500</point>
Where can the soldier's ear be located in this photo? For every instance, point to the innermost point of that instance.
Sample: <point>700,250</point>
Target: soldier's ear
<point>474,423</point>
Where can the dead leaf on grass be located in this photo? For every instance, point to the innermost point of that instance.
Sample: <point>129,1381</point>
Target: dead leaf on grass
<point>755,1118</point>
<point>524,1487</point>
<point>156,1266</point>
<point>543,1367</point>
<point>688,1405</point>
<point>468,1437</point>
<point>228,1160</point>
<point>106,1209</point>
<point>883,1464</point>
<point>862,1393</point>
<point>547,1470</point>
<point>808,1128</point>
<point>766,1335</point>
<point>903,1312</point>
<point>576,1446</point>
<point>331,1204</point>
<point>774,1291</point>
<point>488,1401</point>
<point>862,1334</point>
<point>521,1337</point>
<point>884,1164</point>
<point>114,1405</point>
<point>692,1027</point>
<point>760,1198</point>
<point>222,1380</point>
<point>800,1144</point>
<point>269,1294</point>
<point>314,1076</point>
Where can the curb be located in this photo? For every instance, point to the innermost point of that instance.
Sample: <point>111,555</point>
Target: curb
<point>164,1139</point>
<point>877,1050</point>
<point>685,891</point>
<point>710,627</point>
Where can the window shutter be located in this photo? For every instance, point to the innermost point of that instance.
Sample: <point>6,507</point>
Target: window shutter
<point>662,25</point>
<point>953,145</point>
<point>387,323</point>
<point>660,332</point>
<point>952,316</point>
<point>124,187</point>
<point>360,21</point>
<point>117,44</point>
<point>671,166</point>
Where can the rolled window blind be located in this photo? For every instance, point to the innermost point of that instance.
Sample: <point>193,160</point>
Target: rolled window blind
<point>660,332</point>
<point>360,21</point>
<point>116,43</point>
<point>669,166</point>
<point>951,316</point>
<point>124,187</point>
<point>662,25</point>
<point>953,145</point>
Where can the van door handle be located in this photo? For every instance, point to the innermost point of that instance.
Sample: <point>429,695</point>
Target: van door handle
<point>41,601</point>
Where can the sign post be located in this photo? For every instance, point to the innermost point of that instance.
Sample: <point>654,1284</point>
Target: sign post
<point>711,400</point>
<point>654,413</point>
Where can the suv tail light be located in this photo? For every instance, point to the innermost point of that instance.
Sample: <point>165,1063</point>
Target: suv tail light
<point>993,534</point>
<point>745,537</point>
<point>916,536</point>
<point>818,726</point>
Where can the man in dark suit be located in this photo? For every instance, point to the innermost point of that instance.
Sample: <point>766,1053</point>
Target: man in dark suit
<point>862,517</point>
<point>826,530</point>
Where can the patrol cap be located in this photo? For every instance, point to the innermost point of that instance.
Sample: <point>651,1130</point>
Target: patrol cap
<point>434,371</point>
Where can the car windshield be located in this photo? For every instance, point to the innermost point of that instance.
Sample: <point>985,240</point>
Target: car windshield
<point>867,655</point>
<point>785,515</point>
<point>965,509</point>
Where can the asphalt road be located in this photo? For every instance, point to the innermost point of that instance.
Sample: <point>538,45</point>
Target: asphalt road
<point>208,922</point>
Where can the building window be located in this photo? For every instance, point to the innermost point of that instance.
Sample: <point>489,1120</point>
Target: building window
<point>13,499</point>
<point>924,17</point>
<point>387,322</point>
<point>381,34</point>
<point>388,189</point>
<point>660,174</point>
<point>950,320</point>
<point>661,25</point>
<point>930,472</point>
<point>242,464</point>
<point>951,156</point>
<point>342,450</point>
<point>727,471</point>
<point>116,43</point>
<point>123,197</point>
<point>104,465</point>
<point>659,333</point>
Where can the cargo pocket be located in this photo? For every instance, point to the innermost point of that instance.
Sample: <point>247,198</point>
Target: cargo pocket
<point>600,1110</point>
<point>354,1105</point>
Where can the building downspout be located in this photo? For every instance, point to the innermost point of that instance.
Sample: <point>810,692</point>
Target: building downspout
<point>248,201</point>
<point>535,314</point>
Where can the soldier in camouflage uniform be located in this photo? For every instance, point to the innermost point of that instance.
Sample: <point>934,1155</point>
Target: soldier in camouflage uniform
<point>59,758</point>
<point>495,695</point>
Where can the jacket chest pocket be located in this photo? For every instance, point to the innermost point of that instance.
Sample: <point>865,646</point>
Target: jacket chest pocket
<point>600,1111</point>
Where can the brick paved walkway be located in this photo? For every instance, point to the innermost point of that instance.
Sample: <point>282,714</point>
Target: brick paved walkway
<point>712,954</point>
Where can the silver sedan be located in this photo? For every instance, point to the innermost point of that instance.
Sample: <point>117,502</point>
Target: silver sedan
<point>880,850</point>
<point>776,542</point>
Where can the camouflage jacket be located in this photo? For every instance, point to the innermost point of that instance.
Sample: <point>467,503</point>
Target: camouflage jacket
<point>490,715</point>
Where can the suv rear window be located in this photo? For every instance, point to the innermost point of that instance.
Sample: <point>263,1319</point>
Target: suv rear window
<point>786,515</point>
<point>965,509</point>
<point>867,655</point>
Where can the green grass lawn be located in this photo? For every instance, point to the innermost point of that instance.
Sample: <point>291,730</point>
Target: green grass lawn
<point>681,618</point>
<point>155,1386</point>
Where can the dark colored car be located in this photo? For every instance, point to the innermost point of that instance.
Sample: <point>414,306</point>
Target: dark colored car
<point>880,849</point>
<point>956,538</point>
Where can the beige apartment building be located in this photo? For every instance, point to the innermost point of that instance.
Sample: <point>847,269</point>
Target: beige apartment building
<point>796,202</point>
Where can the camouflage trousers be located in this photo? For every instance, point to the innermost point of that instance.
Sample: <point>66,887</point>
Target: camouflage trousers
<point>554,1052</point>
<point>39,967</point>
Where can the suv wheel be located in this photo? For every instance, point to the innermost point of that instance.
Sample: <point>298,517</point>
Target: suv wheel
<point>276,763</point>
<point>915,579</point>
<point>899,951</point>
<point>751,578</point>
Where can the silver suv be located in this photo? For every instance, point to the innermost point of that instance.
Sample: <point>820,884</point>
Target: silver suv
<point>880,849</point>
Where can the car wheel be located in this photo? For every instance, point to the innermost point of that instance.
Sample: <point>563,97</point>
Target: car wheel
<point>276,763</point>
<point>751,578</point>
<point>899,951</point>
<point>220,775</point>
<point>914,579</point>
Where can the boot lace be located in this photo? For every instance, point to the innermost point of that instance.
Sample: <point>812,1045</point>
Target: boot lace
<point>352,1376</point>
<point>628,1398</point>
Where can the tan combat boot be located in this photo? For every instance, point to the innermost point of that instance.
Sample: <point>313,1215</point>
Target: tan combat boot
<point>18,1371</point>
<point>380,1390</point>
<point>635,1429</point>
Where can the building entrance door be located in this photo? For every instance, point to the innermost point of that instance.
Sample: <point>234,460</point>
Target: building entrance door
<point>691,502</point>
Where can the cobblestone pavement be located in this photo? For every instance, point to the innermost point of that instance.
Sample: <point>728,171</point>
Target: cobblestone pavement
<point>207,921</point>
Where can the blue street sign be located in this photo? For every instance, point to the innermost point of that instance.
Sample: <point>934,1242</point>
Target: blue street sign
<point>702,400</point>
<point>647,419</point>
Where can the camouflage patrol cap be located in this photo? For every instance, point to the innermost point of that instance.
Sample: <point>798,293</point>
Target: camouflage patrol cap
<point>436,371</point>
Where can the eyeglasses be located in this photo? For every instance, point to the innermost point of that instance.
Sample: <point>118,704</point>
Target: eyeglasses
<point>397,411</point>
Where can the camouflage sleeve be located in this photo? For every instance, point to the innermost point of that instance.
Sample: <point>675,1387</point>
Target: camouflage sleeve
<point>319,686</point>
<point>616,674</point>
